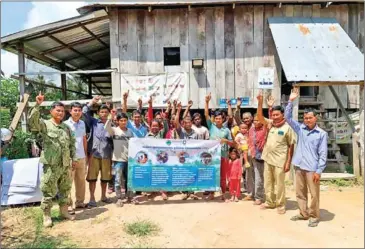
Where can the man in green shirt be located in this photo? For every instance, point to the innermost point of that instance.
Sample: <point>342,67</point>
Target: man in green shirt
<point>58,156</point>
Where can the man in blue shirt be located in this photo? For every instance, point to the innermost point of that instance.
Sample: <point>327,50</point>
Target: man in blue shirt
<point>309,160</point>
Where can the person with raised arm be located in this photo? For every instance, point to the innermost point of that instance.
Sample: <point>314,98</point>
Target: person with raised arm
<point>256,142</point>
<point>185,132</point>
<point>277,154</point>
<point>121,135</point>
<point>223,134</point>
<point>309,160</point>
<point>58,157</point>
<point>101,151</point>
<point>135,125</point>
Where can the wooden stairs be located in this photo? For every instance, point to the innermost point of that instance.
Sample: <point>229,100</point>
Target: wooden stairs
<point>334,154</point>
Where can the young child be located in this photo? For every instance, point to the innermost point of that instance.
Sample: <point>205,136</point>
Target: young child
<point>235,174</point>
<point>241,140</point>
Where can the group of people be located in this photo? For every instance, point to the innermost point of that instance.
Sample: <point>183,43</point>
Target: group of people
<point>255,150</point>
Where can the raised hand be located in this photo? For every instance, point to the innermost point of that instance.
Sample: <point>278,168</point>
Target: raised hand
<point>125,95</point>
<point>294,93</point>
<point>175,102</point>
<point>179,106</point>
<point>270,101</point>
<point>239,102</point>
<point>139,102</point>
<point>208,98</point>
<point>190,103</point>
<point>228,102</point>
<point>150,100</point>
<point>260,96</point>
<point>96,99</point>
<point>40,98</point>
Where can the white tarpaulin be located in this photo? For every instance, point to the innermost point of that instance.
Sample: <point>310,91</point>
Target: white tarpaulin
<point>21,181</point>
<point>163,87</point>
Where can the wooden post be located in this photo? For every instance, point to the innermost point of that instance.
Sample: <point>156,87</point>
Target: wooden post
<point>114,54</point>
<point>21,69</point>
<point>90,89</point>
<point>63,82</point>
<point>355,154</point>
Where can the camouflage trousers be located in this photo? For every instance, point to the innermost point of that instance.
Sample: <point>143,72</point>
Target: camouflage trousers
<point>55,180</point>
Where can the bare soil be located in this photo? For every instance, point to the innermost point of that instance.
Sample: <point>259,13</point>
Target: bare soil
<point>199,223</point>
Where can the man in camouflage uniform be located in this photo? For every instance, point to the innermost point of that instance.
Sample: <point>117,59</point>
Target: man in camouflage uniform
<point>58,151</point>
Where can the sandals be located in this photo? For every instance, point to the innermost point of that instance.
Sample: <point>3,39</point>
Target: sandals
<point>313,222</point>
<point>265,206</point>
<point>298,217</point>
<point>91,204</point>
<point>107,201</point>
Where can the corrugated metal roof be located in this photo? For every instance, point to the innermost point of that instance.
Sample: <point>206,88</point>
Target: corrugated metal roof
<point>73,41</point>
<point>171,3</point>
<point>316,50</point>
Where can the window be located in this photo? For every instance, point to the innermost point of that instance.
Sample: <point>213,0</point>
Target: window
<point>171,56</point>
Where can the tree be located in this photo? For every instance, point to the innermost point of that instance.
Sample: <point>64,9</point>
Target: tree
<point>9,94</point>
<point>76,83</point>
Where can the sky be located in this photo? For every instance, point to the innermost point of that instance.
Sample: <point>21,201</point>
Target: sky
<point>29,15</point>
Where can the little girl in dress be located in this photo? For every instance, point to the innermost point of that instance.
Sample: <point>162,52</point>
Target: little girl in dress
<point>235,165</point>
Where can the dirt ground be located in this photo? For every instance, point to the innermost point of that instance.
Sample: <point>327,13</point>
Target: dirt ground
<point>198,223</point>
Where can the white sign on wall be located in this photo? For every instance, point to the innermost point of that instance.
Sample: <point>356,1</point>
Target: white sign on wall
<point>163,87</point>
<point>266,78</point>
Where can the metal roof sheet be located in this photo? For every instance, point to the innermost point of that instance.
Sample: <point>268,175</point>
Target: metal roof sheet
<point>316,50</point>
<point>172,3</point>
<point>72,41</point>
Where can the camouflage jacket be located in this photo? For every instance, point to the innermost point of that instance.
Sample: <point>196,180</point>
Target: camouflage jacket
<point>58,141</point>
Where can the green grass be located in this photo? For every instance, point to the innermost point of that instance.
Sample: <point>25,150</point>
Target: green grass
<point>344,182</point>
<point>141,228</point>
<point>33,216</point>
<point>44,241</point>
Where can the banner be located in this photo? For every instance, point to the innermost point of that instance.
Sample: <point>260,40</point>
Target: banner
<point>163,87</point>
<point>173,165</point>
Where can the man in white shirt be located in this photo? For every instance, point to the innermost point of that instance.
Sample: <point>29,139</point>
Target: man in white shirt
<point>78,129</point>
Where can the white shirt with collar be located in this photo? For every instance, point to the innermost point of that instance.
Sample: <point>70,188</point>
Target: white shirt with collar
<point>78,130</point>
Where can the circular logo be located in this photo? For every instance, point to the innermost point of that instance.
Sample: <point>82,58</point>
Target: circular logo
<point>168,142</point>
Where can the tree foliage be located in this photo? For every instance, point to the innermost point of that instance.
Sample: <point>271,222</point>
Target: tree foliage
<point>9,94</point>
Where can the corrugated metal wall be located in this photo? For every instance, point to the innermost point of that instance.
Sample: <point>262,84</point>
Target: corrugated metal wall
<point>233,42</point>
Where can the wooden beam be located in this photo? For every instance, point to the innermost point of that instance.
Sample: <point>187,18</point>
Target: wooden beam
<point>43,34</point>
<point>95,37</point>
<point>72,44</point>
<point>19,112</point>
<point>328,83</point>
<point>349,121</point>
<point>91,52</point>
<point>46,85</point>
<point>21,68</point>
<point>72,49</point>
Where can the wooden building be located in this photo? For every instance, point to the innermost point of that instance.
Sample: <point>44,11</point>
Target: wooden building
<point>234,38</point>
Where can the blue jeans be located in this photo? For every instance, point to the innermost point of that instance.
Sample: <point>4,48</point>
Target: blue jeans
<point>121,178</point>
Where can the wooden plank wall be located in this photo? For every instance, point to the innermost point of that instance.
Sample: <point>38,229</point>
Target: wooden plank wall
<point>234,43</point>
